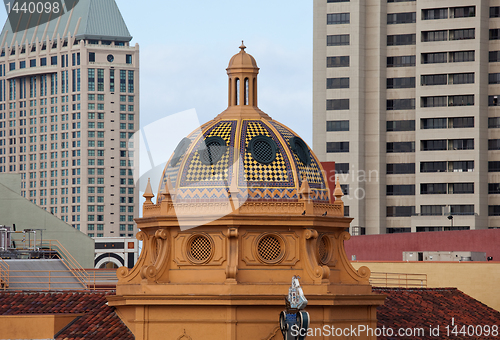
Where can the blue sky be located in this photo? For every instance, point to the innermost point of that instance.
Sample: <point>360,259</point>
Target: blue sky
<point>185,47</point>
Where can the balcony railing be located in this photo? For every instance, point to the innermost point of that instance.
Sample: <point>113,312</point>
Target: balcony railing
<point>389,280</point>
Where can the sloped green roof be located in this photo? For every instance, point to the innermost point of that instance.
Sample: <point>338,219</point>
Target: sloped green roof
<point>99,19</point>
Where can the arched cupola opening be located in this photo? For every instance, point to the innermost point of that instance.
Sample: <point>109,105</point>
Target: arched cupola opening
<point>242,72</point>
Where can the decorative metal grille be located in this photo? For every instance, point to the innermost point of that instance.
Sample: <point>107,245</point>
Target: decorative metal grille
<point>263,151</point>
<point>269,248</point>
<point>324,249</point>
<point>200,248</point>
<point>213,151</point>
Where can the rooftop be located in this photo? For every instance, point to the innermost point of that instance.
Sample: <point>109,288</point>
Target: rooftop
<point>89,19</point>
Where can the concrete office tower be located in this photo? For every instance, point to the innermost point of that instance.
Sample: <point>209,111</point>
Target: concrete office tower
<point>69,101</point>
<point>405,101</point>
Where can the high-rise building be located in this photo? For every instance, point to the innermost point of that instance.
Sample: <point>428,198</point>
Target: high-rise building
<point>69,102</point>
<point>406,103</point>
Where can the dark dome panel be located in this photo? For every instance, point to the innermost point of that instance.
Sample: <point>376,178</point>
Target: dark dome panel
<point>313,171</point>
<point>197,172</point>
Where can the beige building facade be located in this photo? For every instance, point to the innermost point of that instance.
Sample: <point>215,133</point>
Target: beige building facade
<point>69,102</point>
<point>405,103</point>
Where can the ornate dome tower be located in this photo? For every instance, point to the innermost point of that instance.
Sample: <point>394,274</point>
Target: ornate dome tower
<point>242,207</point>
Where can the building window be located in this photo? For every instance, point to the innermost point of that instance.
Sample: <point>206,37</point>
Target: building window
<point>341,168</point>
<point>337,125</point>
<point>434,58</point>
<point>494,56</point>
<point>130,81</point>
<point>395,147</point>
<point>401,18</point>
<point>433,123</point>
<point>438,101</point>
<point>337,18</point>
<point>398,230</point>
<point>401,125</point>
<point>462,100</point>
<point>401,83</point>
<point>461,188</point>
<point>463,12</point>
<point>493,144</point>
<point>494,166</point>
<point>493,188</point>
<point>401,39</point>
<point>341,61</point>
<point>494,34</point>
<point>401,190</point>
<point>400,168</point>
<point>401,104</point>
<point>435,13</point>
<point>334,147</point>
<point>461,122</point>
<point>461,166</point>
<point>100,79</point>
<point>128,58</point>
<point>401,61</point>
<point>461,56</point>
<point>337,40</point>
<point>400,211</point>
<point>431,210</point>
<point>337,83</point>
<point>433,79</point>
<point>433,188</point>
<point>493,210</point>
<point>463,34</point>
<point>494,78</point>
<point>92,57</point>
<point>495,12</point>
<point>337,104</point>
<point>462,209</point>
<point>428,36</point>
<point>461,144</point>
<point>493,101</point>
<point>123,81</point>
<point>494,122</point>
<point>91,80</point>
<point>461,78</point>
<point>433,145</point>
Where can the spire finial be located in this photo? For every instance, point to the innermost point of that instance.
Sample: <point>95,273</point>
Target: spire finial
<point>148,194</point>
<point>338,190</point>
<point>242,47</point>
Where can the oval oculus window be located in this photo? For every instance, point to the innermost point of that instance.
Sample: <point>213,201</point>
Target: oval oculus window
<point>180,150</point>
<point>263,149</point>
<point>212,151</point>
<point>300,148</point>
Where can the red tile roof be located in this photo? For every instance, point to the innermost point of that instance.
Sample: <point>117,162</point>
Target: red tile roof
<point>404,308</point>
<point>98,322</point>
<point>421,307</point>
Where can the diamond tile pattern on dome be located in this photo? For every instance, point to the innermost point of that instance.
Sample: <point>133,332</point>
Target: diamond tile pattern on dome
<point>275,174</point>
<point>172,171</point>
<point>313,172</point>
<point>195,173</point>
